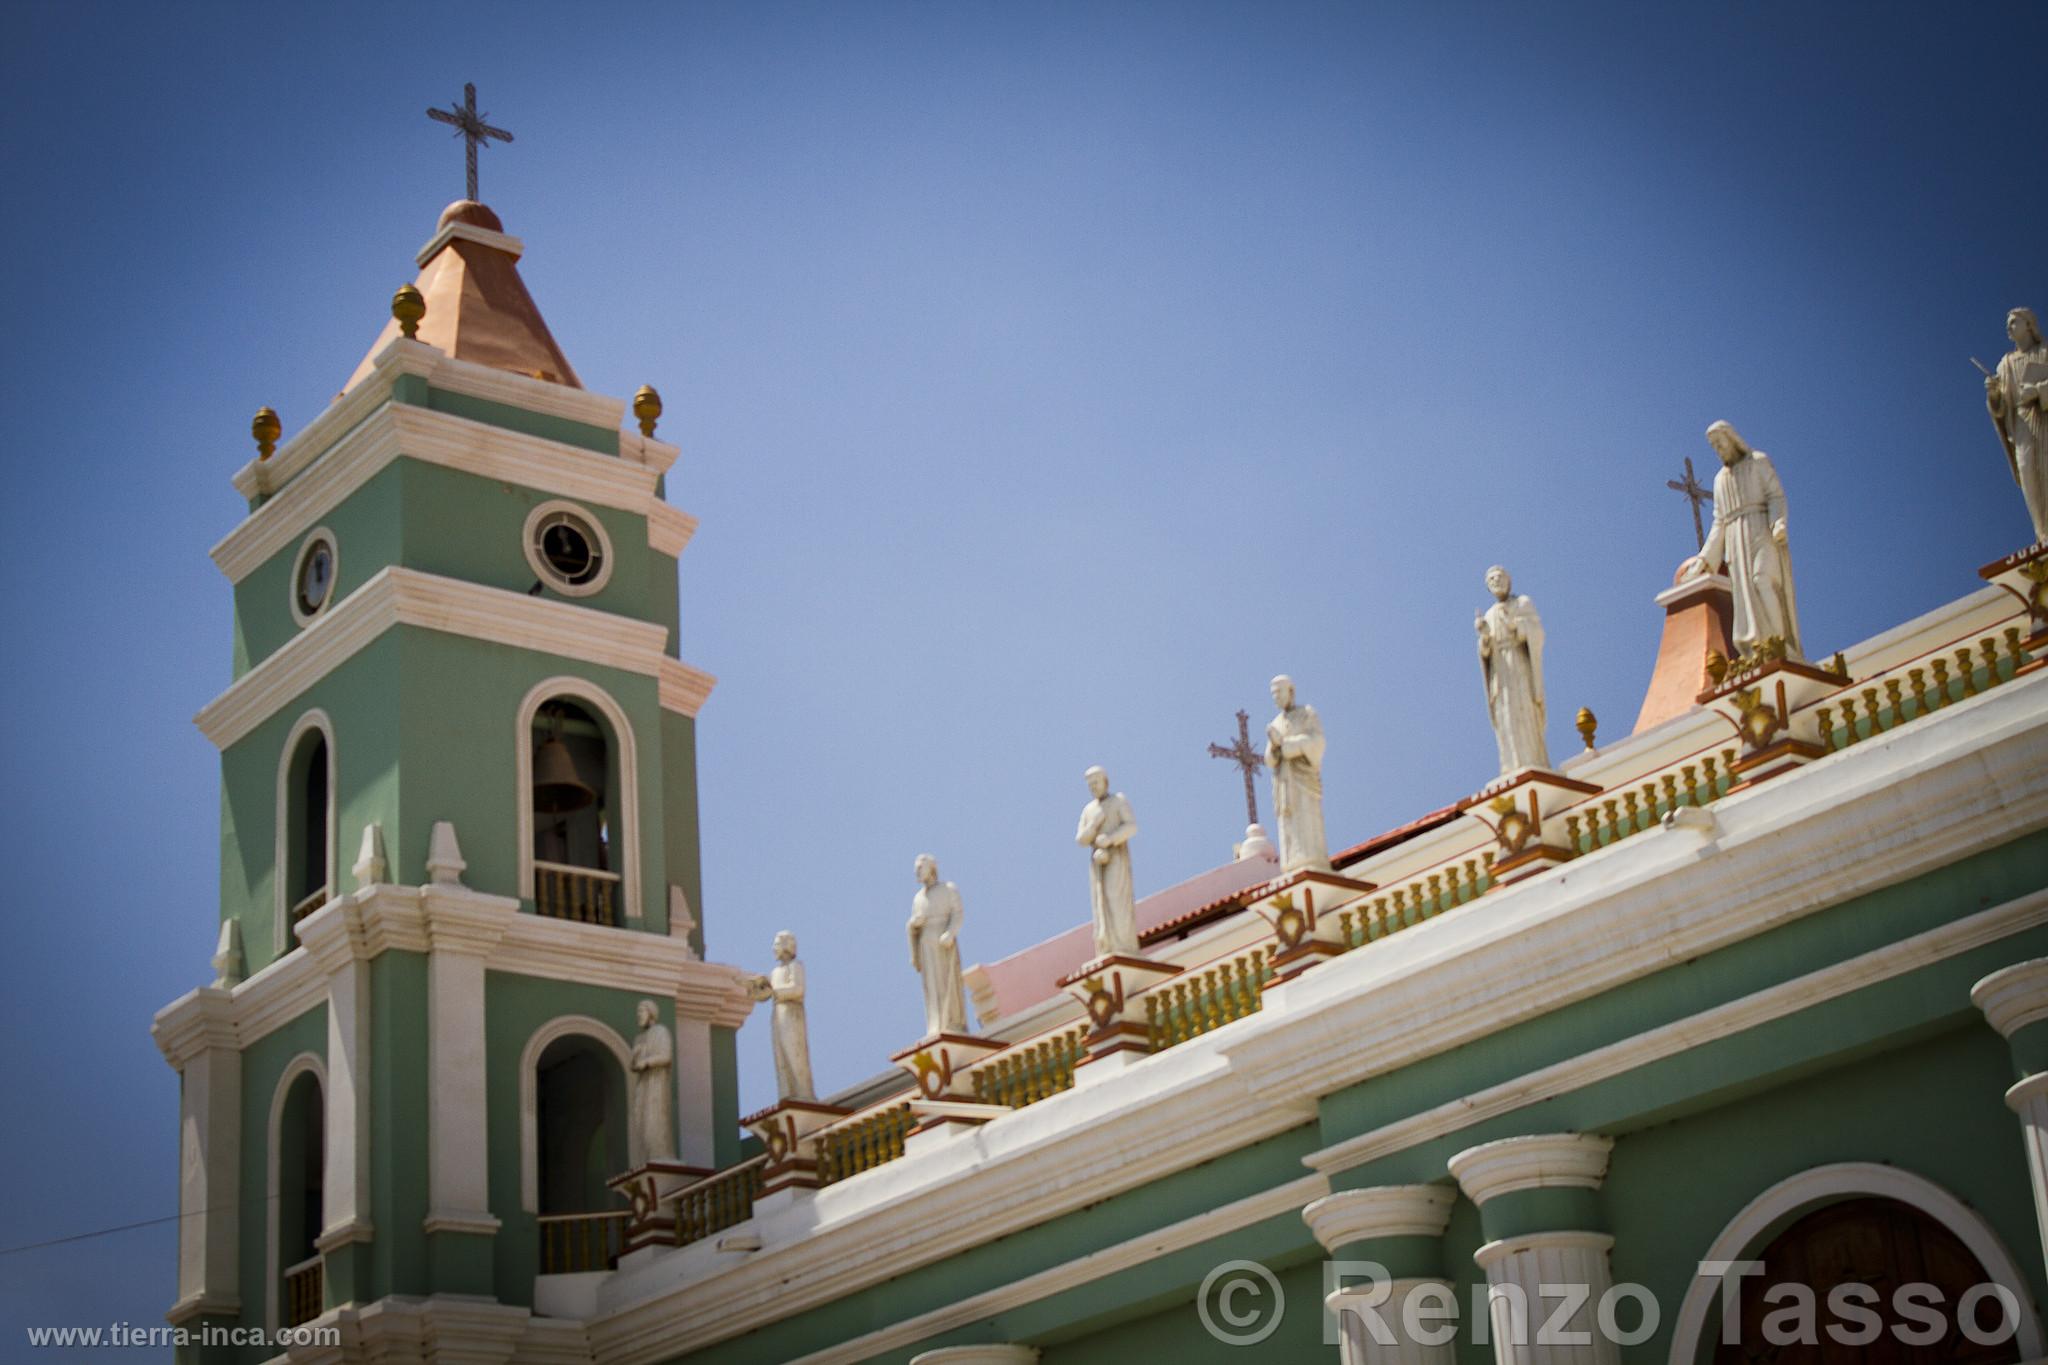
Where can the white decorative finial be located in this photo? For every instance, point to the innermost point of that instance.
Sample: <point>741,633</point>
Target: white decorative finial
<point>1256,844</point>
<point>444,856</point>
<point>369,868</point>
<point>680,921</point>
<point>227,957</point>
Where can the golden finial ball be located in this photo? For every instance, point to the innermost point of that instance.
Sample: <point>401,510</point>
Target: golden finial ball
<point>408,305</point>
<point>647,407</point>
<point>1586,723</point>
<point>266,429</point>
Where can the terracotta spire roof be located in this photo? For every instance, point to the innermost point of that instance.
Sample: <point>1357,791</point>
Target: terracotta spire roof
<point>477,306</point>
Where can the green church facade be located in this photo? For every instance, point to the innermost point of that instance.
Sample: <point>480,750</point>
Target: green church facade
<point>1764,980</point>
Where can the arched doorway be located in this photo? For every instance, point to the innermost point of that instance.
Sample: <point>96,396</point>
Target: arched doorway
<point>580,1131</point>
<point>301,1138</point>
<point>1786,1316</point>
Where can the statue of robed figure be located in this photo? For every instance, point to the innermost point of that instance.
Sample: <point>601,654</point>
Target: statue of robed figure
<point>2017,396</point>
<point>935,915</point>
<point>1294,755</point>
<point>1106,829</point>
<point>652,1133</point>
<point>787,1030</point>
<point>1748,536</point>
<point>1511,661</point>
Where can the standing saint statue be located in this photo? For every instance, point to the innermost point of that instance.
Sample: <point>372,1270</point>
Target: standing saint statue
<point>787,1030</point>
<point>1294,755</point>
<point>1511,661</point>
<point>1748,536</point>
<point>2018,398</point>
<point>1106,830</point>
<point>652,1135</point>
<point>935,915</point>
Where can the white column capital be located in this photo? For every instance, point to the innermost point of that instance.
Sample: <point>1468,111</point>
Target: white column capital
<point>1382,1211</point>
<point>1548,1161</point>
<point>2026,1092</point>
<point>2014,997</point>
<point>463,921</point>
<point>196,1022</point>
<point>977,1355</point>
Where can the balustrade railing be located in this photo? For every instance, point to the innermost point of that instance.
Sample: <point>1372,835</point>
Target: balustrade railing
<point>571,1243</point>
<point>312,901</point>
<point>304,1292</point>
<point>863,1142</point>
<point>722,1201</point>
<point>1206,998</point>
<point>1030,1071</point>
<point>1918,687</point>
<point>587,895</point>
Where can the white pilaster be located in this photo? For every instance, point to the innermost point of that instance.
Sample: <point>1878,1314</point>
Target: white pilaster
<point>209,1063</point>
<point>1532,1277</point>
<point>462,928</point>
<point>1376,1322</point>
<point>333,936</point>
<point>2012,999</point>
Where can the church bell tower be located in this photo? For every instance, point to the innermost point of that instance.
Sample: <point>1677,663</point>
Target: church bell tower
<point>459,840</point>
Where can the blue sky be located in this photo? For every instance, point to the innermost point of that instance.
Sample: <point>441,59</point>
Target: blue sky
<point>1048,376</point>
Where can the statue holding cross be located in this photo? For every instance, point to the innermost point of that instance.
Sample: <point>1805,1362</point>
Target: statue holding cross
<point>471,128</point>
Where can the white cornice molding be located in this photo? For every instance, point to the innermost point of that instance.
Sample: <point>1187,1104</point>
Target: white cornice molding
<point>1382,1211</point>
<point>658,456</point>
<point>1574,1161</point>
<point>669,528</point>
<point>684,688</point>
<point>400,357</point>
<point>1972,778</point>
<point>193,1023</point>
<point>386,918</point>
<point>1694,1031</point>
<point>439,438</point>
<point>398,596</point>
<point>2015,997</point>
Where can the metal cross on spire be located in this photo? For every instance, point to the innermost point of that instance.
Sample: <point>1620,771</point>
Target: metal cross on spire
<point>1249,759</point>
<point>1696,493</point>
<point>469,126</point>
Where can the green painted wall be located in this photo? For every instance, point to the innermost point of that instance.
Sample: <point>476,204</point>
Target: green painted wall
<point>515,1008</point>
<point>263,1064</point>
<point>367,538</point>
<point>1818,1086</point>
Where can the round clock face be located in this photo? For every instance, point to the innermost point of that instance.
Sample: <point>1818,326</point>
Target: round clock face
<point>316,577</point>
<point>568,547</point>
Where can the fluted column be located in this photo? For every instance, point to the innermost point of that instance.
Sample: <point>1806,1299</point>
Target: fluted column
<point>1408,1317</point>
<point>1539,1208</point>
<point>2015,1000</point>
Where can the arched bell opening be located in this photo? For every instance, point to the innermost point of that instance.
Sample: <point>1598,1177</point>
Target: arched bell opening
<point>573,797</point>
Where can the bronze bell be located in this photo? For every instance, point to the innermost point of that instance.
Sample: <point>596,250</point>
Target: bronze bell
<point>557,787</point>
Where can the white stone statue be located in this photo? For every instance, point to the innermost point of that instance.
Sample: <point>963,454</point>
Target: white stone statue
<point>787,1030</point>
<point>1511,661</point>
<point>1106,830</point>
<point>653,1131</point>
<point>1749,538</point>
<point>2018,398</point>
<point>935,915</point>
<point>1294,755</point>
